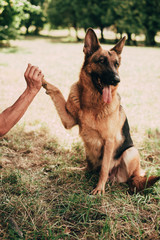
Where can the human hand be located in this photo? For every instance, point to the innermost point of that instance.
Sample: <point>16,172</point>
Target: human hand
<point>33,77</point>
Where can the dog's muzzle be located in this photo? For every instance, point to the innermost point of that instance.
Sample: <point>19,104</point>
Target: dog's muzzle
<point>105,80</point>
<point>110,79</point>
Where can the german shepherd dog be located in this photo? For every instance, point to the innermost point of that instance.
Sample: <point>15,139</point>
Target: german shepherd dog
<point>94,105</point>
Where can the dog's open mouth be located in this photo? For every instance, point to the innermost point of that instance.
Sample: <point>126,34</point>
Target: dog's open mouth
<point>106,91</point>
<point>103,85</point>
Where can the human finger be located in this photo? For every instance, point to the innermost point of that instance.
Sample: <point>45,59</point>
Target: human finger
<point>27,70</point>
<point>41,76</point>
<point>31,71</point>
<point>36,73</point>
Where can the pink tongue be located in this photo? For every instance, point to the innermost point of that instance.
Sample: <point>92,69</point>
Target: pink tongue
<point>107,96</point>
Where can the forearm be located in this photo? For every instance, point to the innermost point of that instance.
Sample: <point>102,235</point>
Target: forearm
<point>60,104</point>
<point>10,116</point>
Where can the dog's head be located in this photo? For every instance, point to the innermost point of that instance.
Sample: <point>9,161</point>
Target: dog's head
<point>102,65</point>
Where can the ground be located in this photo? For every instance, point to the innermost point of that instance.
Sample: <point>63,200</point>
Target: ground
<point>39,197</point>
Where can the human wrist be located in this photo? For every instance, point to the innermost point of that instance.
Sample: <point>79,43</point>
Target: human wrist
<point>32,91</point>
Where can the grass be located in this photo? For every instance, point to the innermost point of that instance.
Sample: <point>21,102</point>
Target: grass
<point>39,197</point>
<point>42,199</point>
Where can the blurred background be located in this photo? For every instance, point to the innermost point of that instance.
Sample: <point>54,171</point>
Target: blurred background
<point>139,20</point>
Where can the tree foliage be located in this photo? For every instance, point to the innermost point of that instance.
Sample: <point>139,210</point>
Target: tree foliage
<point>99,14</point>
<point>8,21</point>
<point>127,16</point>
<point>64,13</point>
<point>84,14</point>
<point>150,20</point>
<point>35,16</point>
<point>14,14</point>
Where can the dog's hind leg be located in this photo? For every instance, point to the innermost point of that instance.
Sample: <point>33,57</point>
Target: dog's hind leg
<point>130,165</point>
<point>60,103</point>
<point>131,172</point>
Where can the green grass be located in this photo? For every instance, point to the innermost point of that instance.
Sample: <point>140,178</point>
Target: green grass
<point>40,197</point>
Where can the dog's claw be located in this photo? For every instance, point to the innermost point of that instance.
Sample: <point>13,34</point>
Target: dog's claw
<point>98,191</point>
<point>44,85</point>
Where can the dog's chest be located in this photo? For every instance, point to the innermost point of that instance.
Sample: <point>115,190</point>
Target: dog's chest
<point>105,125</point>
<point>87,119</point>
<point>96,131</point>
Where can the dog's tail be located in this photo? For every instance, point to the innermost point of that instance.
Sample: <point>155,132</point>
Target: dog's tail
<point>139,183</point>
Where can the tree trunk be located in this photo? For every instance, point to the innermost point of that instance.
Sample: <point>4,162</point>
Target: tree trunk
<point>150,35</point>
<point>36,32</point>
<point>27,25</point>
<point>76,30</point>
<point>129,40</point>
<point>102,35</point>
<point>27,31</point>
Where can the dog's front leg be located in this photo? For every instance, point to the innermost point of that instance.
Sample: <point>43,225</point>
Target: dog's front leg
<point>104,173</point>
<point>60,104</point>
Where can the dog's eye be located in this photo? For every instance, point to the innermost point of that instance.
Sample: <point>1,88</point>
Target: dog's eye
<point>116,64</point>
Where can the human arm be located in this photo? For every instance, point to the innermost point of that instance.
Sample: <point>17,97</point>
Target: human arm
<point>10,116</point>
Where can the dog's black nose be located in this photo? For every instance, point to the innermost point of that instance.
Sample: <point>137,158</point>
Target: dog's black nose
<point>115,80</point>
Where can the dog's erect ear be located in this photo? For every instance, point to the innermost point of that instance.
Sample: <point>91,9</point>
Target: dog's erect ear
<point>119,46</point>
<point>91,43</point>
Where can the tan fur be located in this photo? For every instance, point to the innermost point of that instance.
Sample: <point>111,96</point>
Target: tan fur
<point>100,124</point>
